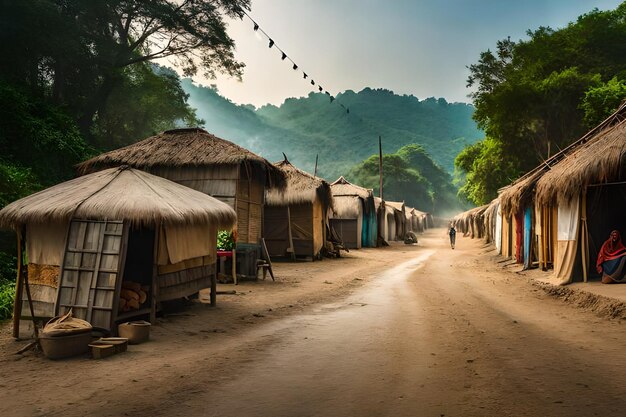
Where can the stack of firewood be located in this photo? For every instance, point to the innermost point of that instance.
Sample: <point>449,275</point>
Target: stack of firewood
<point>132,296</point>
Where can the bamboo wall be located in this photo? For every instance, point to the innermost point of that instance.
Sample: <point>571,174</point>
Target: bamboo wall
<point>241,186</point>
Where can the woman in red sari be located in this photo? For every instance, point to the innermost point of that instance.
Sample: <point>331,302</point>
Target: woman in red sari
<point>611,259</point>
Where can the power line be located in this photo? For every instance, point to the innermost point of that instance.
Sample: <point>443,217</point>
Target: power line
<point>284,57</point>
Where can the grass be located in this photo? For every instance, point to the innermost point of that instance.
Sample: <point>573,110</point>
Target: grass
<point>7,294</point>
<point>7,284</point>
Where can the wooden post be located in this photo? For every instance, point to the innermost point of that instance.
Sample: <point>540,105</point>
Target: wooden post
<point>17,305</point>
<point>291,249</point>
<point>155,273</point>
<point>315,171</point>
<point>234,266</point>
<point>213,297</point>
<point>30,302</point>
<point>583,234</point>
<point>380,166</point>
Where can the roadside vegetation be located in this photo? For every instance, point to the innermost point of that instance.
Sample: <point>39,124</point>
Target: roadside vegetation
<point>534,97</point>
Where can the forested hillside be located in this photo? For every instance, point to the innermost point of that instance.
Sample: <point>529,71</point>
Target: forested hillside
<point>310,126</point>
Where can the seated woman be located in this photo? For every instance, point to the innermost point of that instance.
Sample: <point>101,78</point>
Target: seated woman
<point>611,259</point>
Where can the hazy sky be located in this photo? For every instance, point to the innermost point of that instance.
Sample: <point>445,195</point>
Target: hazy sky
<point>419,47</point>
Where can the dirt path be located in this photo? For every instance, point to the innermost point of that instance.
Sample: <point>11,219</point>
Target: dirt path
<point>402,331</point>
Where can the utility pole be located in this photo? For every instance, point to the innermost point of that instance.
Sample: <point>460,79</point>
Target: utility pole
<point>380,165</point>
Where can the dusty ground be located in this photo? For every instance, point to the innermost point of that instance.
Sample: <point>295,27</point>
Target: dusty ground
<point>404,330</point>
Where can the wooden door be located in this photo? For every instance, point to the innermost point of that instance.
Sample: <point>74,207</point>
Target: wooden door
<point>91,272</point>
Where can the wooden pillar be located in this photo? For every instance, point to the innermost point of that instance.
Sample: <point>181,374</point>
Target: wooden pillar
<point>291,249</point>
<point>234,266</point>
<point>584,253</point>
<point>17,305</point>
<point>214,288</point>
<point>155,273</point>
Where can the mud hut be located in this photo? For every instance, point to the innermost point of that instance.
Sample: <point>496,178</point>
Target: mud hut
<point>296,218</point>
<point>353,214</point>
<point>83,240</point>
<point>214,166</point>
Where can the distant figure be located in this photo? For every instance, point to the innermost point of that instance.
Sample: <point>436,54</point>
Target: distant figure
<point>452,234</point>
<point>611,259</point>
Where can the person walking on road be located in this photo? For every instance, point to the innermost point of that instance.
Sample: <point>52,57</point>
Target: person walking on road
<point>452,234</point>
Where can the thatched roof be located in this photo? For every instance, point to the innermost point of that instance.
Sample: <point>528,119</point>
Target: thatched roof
<point>119,194</point>
<point>522,191</point>
<point>302,187</point>
<point>398,205</point>
<point>341,187</point>
<point>519,194</point>
<point>419,213</point>
<point>182,147</point>
<point>347,206</point>
<point>378,202</point>
<point>601,158</point>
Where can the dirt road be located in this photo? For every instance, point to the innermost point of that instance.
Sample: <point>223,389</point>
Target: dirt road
<point>401,331</point>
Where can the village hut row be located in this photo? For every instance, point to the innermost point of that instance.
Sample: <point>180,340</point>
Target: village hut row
<point>558,215</point>
<point>145,218</point>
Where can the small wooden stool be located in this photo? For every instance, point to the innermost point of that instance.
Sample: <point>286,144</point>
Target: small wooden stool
<point>262,264</point>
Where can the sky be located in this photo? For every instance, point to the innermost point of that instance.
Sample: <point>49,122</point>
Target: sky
<point>418,47</point>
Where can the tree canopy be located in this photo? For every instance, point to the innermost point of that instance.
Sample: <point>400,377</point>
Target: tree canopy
<point>78,54</point>
<point>534,97</point>
<point>409,175</point>
<point>78,77</point>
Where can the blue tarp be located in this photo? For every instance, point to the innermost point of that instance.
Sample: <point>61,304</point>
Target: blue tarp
<point>527,236</point>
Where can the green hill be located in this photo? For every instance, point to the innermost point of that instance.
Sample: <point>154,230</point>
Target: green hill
<point>304,127</point>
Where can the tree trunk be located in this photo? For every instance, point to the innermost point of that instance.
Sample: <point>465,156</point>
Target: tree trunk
<point>96,103</point>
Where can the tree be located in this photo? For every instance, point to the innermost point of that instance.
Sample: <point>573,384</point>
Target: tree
<point>149,100</point>
<point>536,96</point>
<point>601,101</point>
<point>409,175</point>
<point>400,181</point>
<point>486,168</point>
<point>77,52</point>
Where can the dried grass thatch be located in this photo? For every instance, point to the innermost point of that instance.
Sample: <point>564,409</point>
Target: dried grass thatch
<point>302,187</point>
<point>521,192</point>
<point>119,194</point>
<point>182,147</point>
<point>378,203</point>
<point>599,159</point>
<point>341,187</point>
<point>347,207</point>
<point>398,205</point>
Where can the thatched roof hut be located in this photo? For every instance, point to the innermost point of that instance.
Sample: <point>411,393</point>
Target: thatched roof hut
<point>354,214</point>
<point>214,166</point>
<point>88,236</point>
<point>301,187</point>
<point>295,219</point>
<point>601,158</point>
<point>189,147</point>
<point>118,193</point>
<point>401,222</point>
<point>523,191</point>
